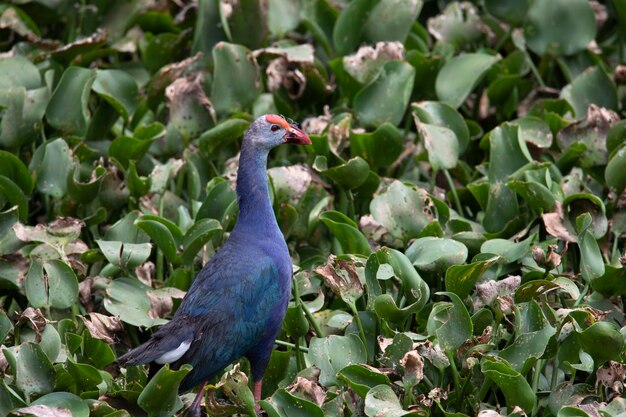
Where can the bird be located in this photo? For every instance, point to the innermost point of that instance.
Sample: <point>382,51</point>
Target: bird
<point>236,304</point>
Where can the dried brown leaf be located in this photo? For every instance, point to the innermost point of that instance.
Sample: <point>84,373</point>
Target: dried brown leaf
<point>308,389</point>
<point>556,226</point>
<point>611,376</point>
<point>103,327</point>
<point>342,278</point>
<point>413,365</point>
<point>35,319</point>
<point>145,273</point>
<point>41,410</point>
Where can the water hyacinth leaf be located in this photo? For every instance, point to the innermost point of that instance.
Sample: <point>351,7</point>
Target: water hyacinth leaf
<point>349,175</point>
<point>190,111</point>
<point>460,75</point>
<point>86,376</point>
<point>513,385</point>
<point>441,144</point>
<point>379,148</point>
<point>535,131</point>
<point>128,298</point>
<point>391,20</point>
<point>34,373</point>
<point>62,284</point>
<point>578,204</point>
<point>236,79</point>
<point>602,341</point>
<point>385,99</point>
<point>65,400</point>
<point>591,261</point>
<point>15,170</point>
<point>333,353</point>
<point>512,12</point>
<point>202,231</point>
<point>537,195</point>
<point>526,348</point>
<point>127,148</point>
<point>119,89</point>
<point>460,279</point>
<point>346,232</point>
<point>348,29</point>
<point>124,231</point>
<point>436,254</point>
<point>18,71</point>
<point>404,210</point>
<point>382,401</point>
<point>54,168</point>
<point>441,114</point>
<point>615,173</point>
<point>125,255</point>
<point>160,395</point>
<point>611,283</point>
<point>220,196</point>
<point>282,16</point>
<point>221,135</point>
<point>284,404</point>
<point>457,25</point>
<point>23,112</point>
<point>451,323</point>
<point>87,191</point>
<point>508,250</point>
<point>593,86</point>
<point>576,26</point>
<point>165,234</point>
<point>341,276</point>
<point>14,196</point>
<point>361,378</point>
<point>67,110</point>
<point>237,18</point>
<point>507,154</point>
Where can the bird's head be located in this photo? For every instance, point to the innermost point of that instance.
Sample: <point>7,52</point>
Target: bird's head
<point>271,130</point>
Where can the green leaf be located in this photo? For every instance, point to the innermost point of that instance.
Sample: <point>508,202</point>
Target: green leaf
<point>526,347</point>
<point>460,279</point>
<point>385,99</point>
<point>127,148</point>
<point>203,231</point>
<point>66,400</point>
<point>379,148</point>
<point>460,75</point>
<point>349,26</point>
<point>615,173</point>
<point>119,89</point>
<point>165,234</point>
<point>67,110</point>
<point>18,71</point>
<point>333,353</point>
<point>509,251</point>
<point>51,284</point>
<point>349,175</point>
<point>602,341</point>
<point>382,401</point>
<point>362,377</point>
<point>513,385</point>
<point>159,398</point>
<point>391,20</point>
<point>54,169</point>
<point>513,12</point>
<point>129,299</point>
<point>345,230</point>
<point>15,197</point>
<point>591,261</point>
<point>236,79</point>
<point>403,209</point>
<point>221,135</point>
<point>34,374</point>
<point>559,27</point>
<point>443,115</point>
<point>86,376</point>
<point>451,323</point>
<point>593,86</point>
<point>22,115</point>
<point>125,255</point>
<point>284,404</point>
<point>436,254</point>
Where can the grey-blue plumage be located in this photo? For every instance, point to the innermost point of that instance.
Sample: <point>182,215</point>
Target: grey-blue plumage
<point>237,303</point>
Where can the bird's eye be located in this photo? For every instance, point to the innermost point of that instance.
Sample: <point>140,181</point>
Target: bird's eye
<point>275,128</point>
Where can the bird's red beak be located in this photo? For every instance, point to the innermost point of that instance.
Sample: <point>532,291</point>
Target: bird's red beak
<point>297,136</point>
<point>293,135</point>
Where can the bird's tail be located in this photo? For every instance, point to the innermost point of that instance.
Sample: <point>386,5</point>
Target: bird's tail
<point>144,353</point>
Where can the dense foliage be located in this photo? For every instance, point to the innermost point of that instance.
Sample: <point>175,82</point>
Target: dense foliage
<point>457,227</point>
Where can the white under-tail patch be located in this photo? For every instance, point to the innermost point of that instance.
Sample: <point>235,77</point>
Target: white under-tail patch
<point>173,355</point>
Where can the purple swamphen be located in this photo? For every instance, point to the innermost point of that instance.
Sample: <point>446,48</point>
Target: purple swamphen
<point>236,304</point>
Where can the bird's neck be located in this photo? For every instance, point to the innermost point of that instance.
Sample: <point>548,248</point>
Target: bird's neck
<point>255,209</point>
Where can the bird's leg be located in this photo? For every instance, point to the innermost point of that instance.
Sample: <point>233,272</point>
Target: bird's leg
<point>257,395</point>
<point>194,409</point>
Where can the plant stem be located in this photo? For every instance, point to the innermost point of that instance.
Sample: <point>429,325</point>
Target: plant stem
<point>455,195</point>
<point>455,372</point>
<point>355,313</point>
<point>291,345</point>
<point>537,375</point>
